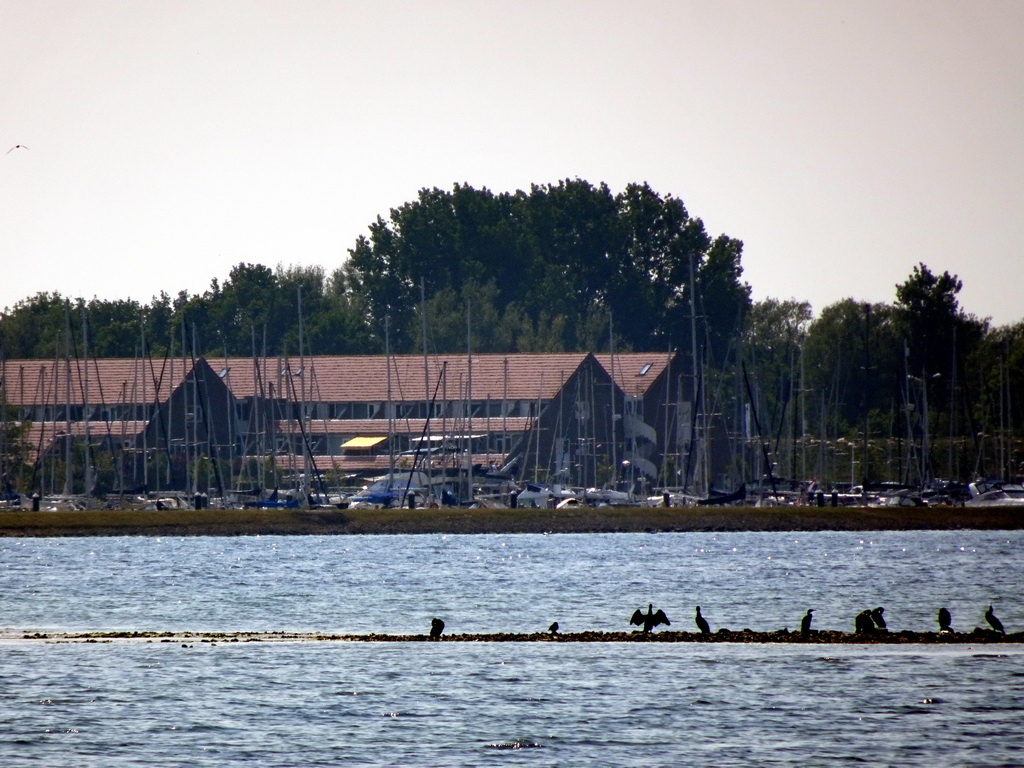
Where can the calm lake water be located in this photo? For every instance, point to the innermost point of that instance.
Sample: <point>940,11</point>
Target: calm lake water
<point>469,704</point>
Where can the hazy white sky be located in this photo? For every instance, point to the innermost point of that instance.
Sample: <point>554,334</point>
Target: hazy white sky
<point>843,142</point>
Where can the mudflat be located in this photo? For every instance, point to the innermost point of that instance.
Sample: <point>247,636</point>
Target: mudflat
<point>326,521</point>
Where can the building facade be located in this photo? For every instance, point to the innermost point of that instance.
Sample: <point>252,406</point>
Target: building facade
<point>235,423</point>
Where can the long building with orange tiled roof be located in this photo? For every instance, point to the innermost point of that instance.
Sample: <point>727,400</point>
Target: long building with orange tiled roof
<point>578,418</point>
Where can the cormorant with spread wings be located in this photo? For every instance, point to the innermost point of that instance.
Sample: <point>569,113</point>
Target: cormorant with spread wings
<point>651,619</point>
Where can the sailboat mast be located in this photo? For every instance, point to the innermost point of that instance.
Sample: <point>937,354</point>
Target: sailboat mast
<point>229,408</point>
<point>698,441</point>
<point>145,407</point>
<point>257,426</point>
<point>426,380</point>
<point>67,398</point>
<point>189,485</point>
<point>665,448</point>
<point>614,436</point>
<point>170,410</point>
<point>302,405</point>
<point>85,387</point>
<point>867,401</point>
<point>504,413</point>
<point>390,405</point>
<point>469,403</point>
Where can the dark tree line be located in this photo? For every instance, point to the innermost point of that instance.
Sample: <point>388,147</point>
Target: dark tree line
<point>925,389</point>
<point>540,271</point>
<point>544,270</point>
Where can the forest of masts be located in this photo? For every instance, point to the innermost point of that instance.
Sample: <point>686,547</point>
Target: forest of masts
<point>774,423</point>
<point>903,392</point>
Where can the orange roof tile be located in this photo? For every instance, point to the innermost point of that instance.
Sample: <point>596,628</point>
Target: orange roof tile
<point>110,381</point>
<point>364,378</point>
<point>636,372</point>
<point>331,379</point>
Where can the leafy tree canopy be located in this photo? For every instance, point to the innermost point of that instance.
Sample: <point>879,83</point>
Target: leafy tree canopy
<point>558,257</point>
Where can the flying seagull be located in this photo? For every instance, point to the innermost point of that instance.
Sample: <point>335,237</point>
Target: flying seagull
<point>16,146</point>
<point>649,620</point>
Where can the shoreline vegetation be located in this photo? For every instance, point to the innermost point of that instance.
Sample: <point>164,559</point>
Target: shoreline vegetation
<point>330,521</point>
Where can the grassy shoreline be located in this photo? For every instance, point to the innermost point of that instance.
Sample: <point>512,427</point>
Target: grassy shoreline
<point>252,522</point>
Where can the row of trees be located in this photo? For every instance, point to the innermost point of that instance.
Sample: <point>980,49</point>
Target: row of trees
<point>537,272</point>
<point>912,390</point>
<point>572,267</point>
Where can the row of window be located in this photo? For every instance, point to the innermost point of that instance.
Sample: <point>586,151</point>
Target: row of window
<point>244,408</point>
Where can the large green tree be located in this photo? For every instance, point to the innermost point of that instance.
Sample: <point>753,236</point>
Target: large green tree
<point>934,326</point>
<point>853,361</point>
<point>34,327</point>
<point>557,263</point>
<point>771,352</point>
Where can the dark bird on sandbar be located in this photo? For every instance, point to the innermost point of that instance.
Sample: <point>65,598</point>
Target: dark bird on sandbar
<point>876,616</point>
<point>553,629</point>
<point>993,622</point>
<point>863,623</point>
<point>649,620</point>
<point>945,621</point>
<point>805,623</point>
<point>702,623</point>
<point>16,146</point>
<point>436,628</point>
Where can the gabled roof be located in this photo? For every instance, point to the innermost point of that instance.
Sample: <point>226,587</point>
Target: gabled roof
<point>326,378</point>
<point>110,381</point>
<point>636,372</point>
<point>364,378</point>
<point>41,434</point>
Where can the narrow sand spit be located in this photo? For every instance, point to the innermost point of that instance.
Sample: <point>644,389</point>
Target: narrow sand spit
<point>978,636</point>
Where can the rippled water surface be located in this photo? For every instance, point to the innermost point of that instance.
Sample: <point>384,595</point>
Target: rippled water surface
<point>467,704</point>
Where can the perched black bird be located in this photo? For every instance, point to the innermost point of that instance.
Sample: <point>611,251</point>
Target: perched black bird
<point>553,629</point>
<point>651,619</point>
<point>863,623</point>
<point>436,628</point>
<point>876,616</point>
<point>945,621</point>
<point>805,623</point>
<point>993,622</point>
<point>702,623</point>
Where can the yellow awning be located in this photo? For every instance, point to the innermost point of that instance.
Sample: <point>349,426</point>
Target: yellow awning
<point>363,442</point>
